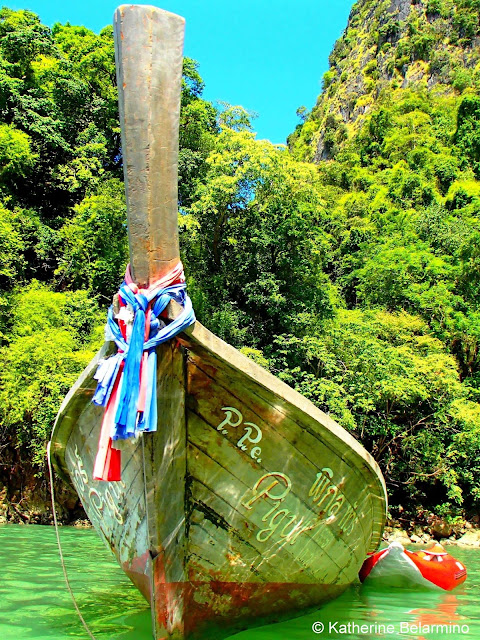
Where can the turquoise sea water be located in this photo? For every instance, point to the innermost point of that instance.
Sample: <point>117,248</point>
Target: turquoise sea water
<point>34,603</point>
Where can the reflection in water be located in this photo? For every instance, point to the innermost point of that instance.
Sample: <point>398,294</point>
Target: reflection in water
<point>34,603</point>
<point>406,611</point>
<point>445,612</point>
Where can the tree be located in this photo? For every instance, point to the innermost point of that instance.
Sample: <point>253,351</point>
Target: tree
<point>252,235</point>
<point>95,252</point>
<point>467,135</point>
<point>52,339</point>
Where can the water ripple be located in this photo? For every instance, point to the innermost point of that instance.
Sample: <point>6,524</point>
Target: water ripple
<point>36,606</point>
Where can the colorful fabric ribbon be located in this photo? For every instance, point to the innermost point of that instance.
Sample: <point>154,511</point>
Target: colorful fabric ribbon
<point>127,380</point>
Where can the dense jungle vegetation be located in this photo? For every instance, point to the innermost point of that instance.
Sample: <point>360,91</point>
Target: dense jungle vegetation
<point>348,263</point>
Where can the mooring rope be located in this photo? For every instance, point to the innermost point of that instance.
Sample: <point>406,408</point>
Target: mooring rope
<point>60,552</point>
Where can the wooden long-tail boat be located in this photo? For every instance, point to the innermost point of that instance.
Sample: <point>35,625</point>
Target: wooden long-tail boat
<point>248,504</point>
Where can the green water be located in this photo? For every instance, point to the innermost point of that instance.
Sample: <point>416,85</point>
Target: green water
<point>34,603</point>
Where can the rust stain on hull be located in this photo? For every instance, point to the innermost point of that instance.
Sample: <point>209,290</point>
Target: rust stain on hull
<point>217,609</point>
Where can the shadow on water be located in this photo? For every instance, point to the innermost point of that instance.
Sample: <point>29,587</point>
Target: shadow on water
<point>34,603</point>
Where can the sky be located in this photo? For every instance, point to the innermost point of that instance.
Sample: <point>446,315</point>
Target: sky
<point>266,55</point>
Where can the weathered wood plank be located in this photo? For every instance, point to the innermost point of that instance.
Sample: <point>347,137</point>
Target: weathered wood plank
<point>181,487</point>
<point>225,362</point>
<point>302,455</point>
<point>233,489</point>
<point>228,457</point>
<point>246,561</point>
<point>116,509</point>
<point>165,470</point>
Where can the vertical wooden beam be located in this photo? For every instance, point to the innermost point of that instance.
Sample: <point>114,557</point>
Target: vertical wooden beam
<point>165,478</point>
<point>149,58</point>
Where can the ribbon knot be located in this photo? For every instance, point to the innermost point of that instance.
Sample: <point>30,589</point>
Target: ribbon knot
<point>127,380</point>
<point>142,301</point>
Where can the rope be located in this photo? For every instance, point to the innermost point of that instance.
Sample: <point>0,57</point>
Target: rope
<point>60,552</point>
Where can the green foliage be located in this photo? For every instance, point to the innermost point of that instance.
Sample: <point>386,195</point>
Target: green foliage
<point>397,275</point>
<point>328,78</point>
<point>387,378</point>
<point>467,135</point>
<point>438,8</point>
<point>11,251</point>
<point>462,193</point>
<point>58,90</point>
<point>50,343</point>
<point>256,238</point>
<point>465,23</point>
<point>95,251</point>
<point>462,78</point>
<point>198,125</point>
<point>235,117</point>
<point>402,213</point>
<point>355,280</point>
<point>16,156</point>
<point>256,355</point>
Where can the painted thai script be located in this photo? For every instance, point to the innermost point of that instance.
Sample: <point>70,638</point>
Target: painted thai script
<point>109,498</point>
<point>329,500</point>
<point>252,435</point>
<point>283,523</point>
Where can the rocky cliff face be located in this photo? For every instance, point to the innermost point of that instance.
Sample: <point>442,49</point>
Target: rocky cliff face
<point>25,494</point>
<point>424,44</point>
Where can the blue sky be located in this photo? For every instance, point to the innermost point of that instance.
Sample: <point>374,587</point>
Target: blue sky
<point>267,55</point>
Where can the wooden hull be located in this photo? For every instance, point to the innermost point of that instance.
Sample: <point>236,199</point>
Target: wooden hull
<point>249,505</point>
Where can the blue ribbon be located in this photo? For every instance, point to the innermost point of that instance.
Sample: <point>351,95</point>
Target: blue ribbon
<point>128,421</point>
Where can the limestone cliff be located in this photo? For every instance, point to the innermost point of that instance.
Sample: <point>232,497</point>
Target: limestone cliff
<point>423,44</point>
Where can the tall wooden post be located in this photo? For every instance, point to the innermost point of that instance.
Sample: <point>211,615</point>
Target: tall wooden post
<point>149,57</point>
